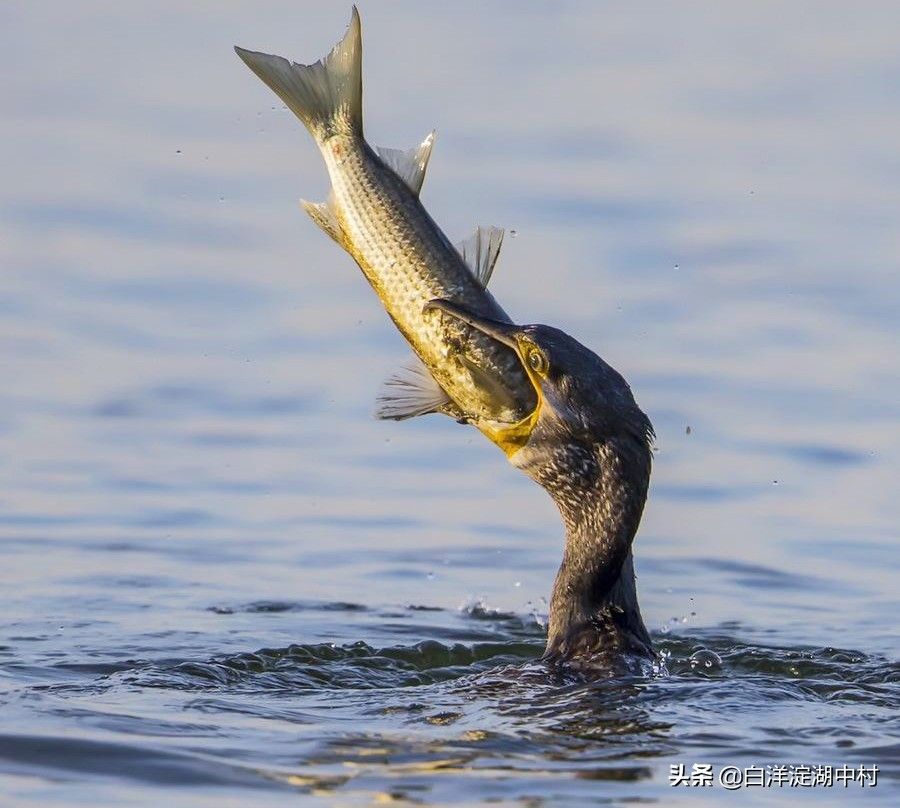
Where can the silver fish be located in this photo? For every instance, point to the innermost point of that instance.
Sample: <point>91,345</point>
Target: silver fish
<point>374,213</point>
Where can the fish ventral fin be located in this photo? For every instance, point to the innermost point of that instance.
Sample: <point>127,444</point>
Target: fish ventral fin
<point>327,95</point>
<point>409,164</point>
<point>411,391</point>
<point>480,251</point>
<point>322,213</point>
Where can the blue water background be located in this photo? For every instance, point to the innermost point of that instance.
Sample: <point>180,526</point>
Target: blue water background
<point>707,194</point>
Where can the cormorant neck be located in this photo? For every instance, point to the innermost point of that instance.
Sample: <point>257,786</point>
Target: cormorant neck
<point>594,607</point>
<point>591,617</point>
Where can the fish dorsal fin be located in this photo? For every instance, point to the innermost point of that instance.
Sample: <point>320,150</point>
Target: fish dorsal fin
<point>410,164</point>
<point>322,213</point>
<point>480,251</point>
<point>411,391</point>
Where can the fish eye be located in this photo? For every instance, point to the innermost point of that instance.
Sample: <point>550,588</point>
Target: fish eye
<point>536,361</point>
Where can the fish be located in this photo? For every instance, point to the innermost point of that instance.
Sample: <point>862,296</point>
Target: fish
<point>374,213</point>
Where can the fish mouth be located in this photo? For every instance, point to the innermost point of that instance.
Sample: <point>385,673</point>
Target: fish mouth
<point>509,437</point>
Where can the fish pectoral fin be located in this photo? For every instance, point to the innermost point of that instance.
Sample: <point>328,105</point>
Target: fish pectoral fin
<point>322,213</point>
<point>480,251</point>
<point>409,164</point>
<point>411,391</point>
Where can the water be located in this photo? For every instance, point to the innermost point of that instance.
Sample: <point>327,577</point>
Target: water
<point>224,583</point>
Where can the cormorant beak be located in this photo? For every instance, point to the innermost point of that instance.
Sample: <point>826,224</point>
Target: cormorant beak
<point>502,332</point>
<point>509,437</point>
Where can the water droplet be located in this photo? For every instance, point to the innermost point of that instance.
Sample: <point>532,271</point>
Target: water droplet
<point>513,233</point>
<point>687,430</point>
<point>704,658</point>
<point>177,151</point>
<point>430,576</point>
<point>517,584</point>
<point>221,199</point>
<point>774,482</point>
<point>676,266</point>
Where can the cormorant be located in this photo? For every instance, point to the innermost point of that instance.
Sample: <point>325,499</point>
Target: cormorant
<point>588,444</point>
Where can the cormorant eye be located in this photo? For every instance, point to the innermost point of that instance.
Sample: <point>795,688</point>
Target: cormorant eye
<point>537,361</point>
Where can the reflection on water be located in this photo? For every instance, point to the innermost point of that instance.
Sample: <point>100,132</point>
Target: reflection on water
<point>220,573</point>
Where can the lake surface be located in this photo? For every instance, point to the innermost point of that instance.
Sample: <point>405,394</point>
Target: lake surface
<point>223,583</point>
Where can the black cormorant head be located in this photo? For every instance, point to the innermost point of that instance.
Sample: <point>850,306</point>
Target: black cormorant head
<point>583,403</point>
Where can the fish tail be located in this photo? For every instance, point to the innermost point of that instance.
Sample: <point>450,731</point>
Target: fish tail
<point>327,95</point>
